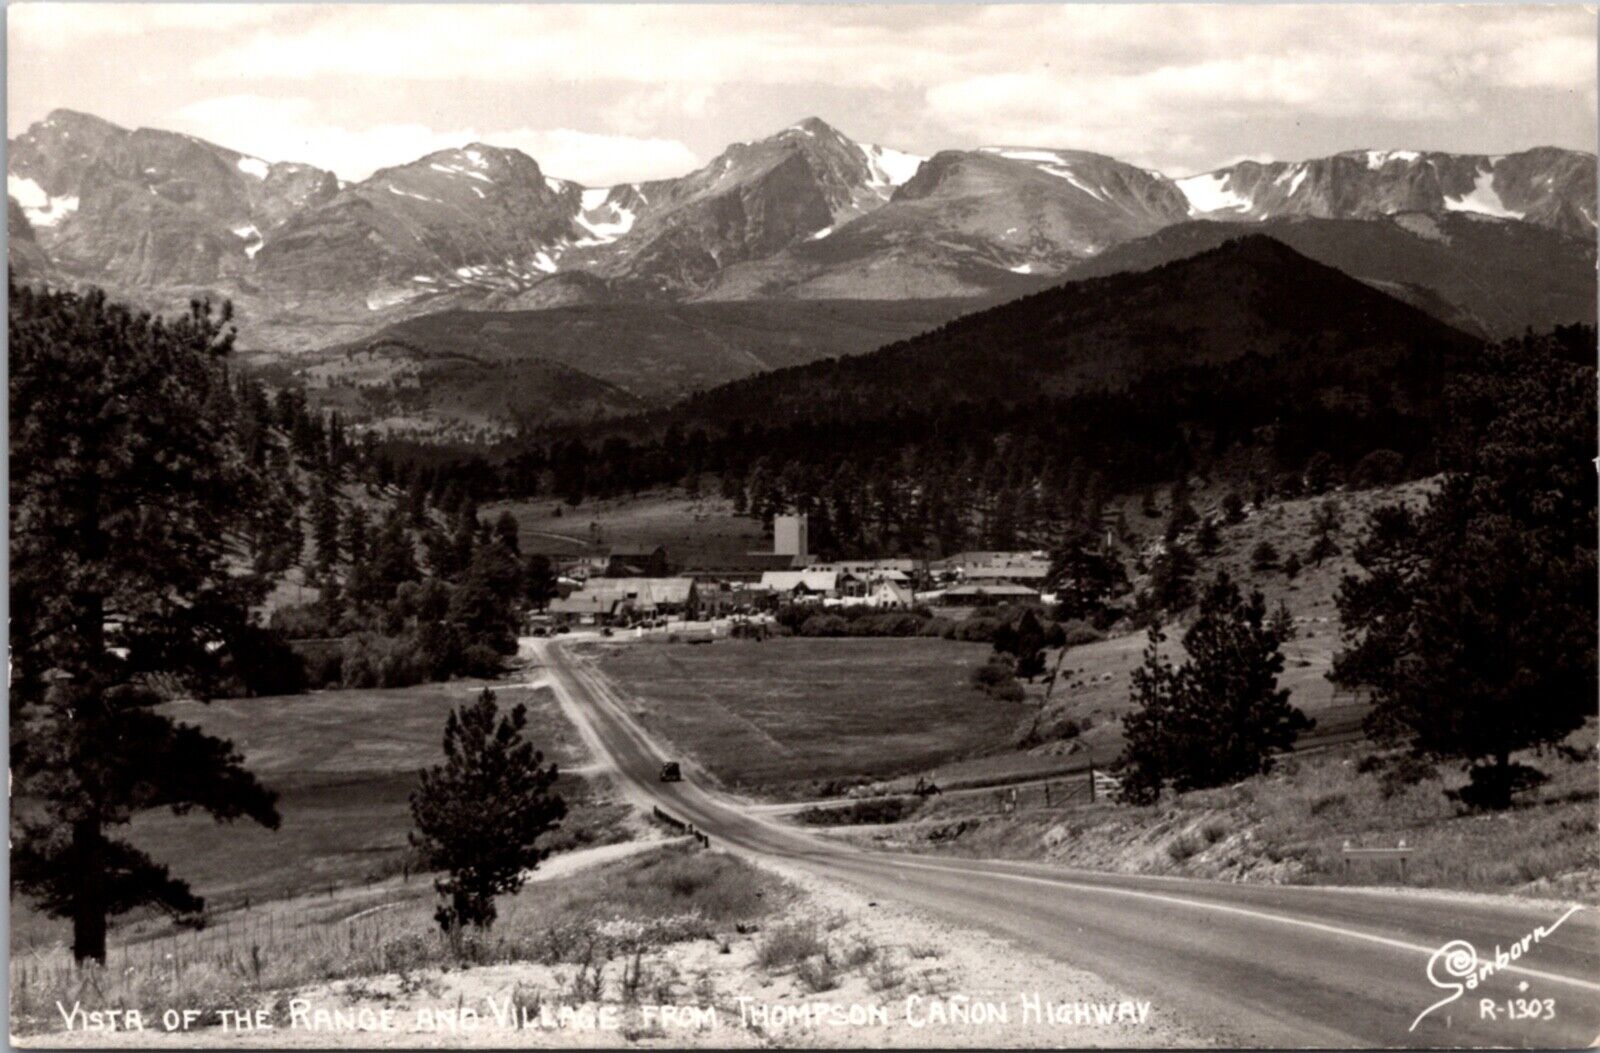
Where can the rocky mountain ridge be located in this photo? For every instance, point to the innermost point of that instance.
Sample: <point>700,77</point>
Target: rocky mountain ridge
<point>806,213</point>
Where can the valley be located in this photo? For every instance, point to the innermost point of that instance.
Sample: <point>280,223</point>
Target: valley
<point>1014,568</point>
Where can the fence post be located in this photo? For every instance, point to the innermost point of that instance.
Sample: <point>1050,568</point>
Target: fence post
<point>1091,782</point>
<point>1047,794</point>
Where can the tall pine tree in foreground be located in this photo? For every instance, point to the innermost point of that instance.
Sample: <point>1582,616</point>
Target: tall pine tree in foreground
<point>127,484</point>
<point>1473,622</point>
<point>480,814</point>
<point>1220,716</point>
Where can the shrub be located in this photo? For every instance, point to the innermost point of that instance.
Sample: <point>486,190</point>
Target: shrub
<point>872,810</point>
<point>818,974</point>
<point>1078,632</point>
<point>1378,468</point>
<point>1009,692</point>
<point>996,671</point>
<point>789,945</point>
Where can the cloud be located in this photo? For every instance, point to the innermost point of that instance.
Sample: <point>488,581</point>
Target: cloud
<point>640,111</point>
<point>289,129</point>
<point>1182,85</point>
<point>58,26</point>
<point>1338,65</point>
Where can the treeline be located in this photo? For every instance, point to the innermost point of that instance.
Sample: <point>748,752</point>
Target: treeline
<point>930,479</point>
<point>413,589</point>
<point>1471,624</point>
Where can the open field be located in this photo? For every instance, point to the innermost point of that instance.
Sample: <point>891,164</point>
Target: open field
<point>344,764</point>
<point>1290,826</point>
<point>785,716</point>
<point>693,529</point>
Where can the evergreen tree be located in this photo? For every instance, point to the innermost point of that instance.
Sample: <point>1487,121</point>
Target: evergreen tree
<point>483,607</point>
<point>1172,579</point>
<point>480,814</point>
<point>1220,716</point>
<point>1086,578</point>
<point>1473,623</point>
<point>538,581</point>
<point>125,490</point>
<point>505,531</point>
<point>325,521</point>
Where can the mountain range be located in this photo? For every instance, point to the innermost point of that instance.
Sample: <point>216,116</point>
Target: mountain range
<point>1490,244</point>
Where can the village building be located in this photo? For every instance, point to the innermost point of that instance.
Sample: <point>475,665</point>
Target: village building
<point>637,563</point>
<point>890,595</point>
<point>802,586</point>
<point>583,607</point>
<point>987,595</point>
<point>996,567</point>
<point>607,601</point>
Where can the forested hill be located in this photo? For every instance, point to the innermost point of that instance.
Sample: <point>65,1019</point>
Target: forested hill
<point>1250,297</point>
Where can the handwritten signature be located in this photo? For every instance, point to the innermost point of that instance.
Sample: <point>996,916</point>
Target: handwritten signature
<point>1463,970</point>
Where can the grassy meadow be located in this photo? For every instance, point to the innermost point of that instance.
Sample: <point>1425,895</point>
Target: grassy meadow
<point>344,764</point>
<point>693,529</point>
<point>789,716</point>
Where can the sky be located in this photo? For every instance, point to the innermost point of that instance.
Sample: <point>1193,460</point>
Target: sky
<point>612,93</point>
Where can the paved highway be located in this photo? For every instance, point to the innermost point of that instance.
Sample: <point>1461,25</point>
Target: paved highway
<point>1254,965</point>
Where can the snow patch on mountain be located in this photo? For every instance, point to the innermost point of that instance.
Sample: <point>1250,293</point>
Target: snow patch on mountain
<point>594,197</point>
<point>254,166</point>
<point>610,222</point>
<point>1376,159</point>
<point>1211,193</point>
<point>41,209</point>
<point>251,237</point>
<point>1050,163</point>
<point>889,167</point>
<point>407,193</point>
<point>1483,199</point>
<point>824,232</point>
<point>458,170</point>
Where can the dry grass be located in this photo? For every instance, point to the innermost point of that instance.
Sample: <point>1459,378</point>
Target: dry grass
<point>1291,826</point>
<point>603,923</point>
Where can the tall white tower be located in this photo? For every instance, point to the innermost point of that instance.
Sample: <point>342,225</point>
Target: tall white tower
<point>789,536</point>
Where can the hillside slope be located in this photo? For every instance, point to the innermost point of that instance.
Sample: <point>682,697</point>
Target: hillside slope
<point>1252,297</point>
<point>572,363</point>
<point>1493,277</point>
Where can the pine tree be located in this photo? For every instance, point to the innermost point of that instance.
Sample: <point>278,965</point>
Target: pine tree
<point>325,522</point>
<point>1086,578</point>
<point>483,607</point>
<point>480,814</point>
<point>1220,716</point>
<point>1473,623</point>
<point>125,490</point>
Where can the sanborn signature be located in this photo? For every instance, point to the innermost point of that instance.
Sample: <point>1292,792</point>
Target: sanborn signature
<point>1464,970</point>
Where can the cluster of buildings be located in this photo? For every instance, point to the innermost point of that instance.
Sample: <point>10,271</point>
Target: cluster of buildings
<point>633,586</point>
